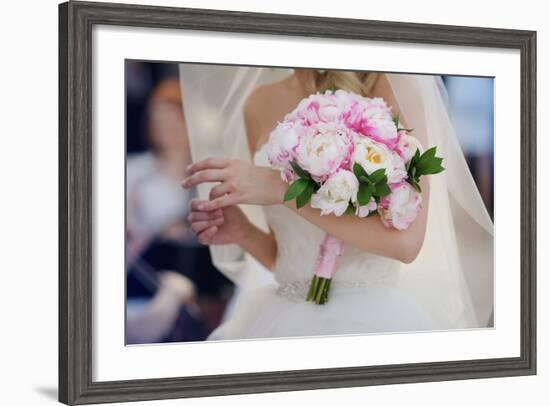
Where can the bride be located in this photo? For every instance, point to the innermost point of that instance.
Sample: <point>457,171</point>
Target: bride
<point>437,274</point>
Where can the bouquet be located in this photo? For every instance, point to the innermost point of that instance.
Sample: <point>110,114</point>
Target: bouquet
<point>348,155</point>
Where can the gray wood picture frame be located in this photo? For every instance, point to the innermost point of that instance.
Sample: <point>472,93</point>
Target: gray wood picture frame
<point>76,20</point>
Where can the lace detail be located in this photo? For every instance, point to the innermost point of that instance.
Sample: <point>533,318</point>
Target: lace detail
<point>297,290</point>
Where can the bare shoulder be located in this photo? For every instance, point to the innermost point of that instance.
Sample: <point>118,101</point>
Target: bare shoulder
<point>264,97</point>
<point>382,88</point>
<point>264,107</point>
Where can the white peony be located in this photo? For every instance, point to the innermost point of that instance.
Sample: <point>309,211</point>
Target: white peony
<point>281,143</point>
<point>400,208</point>
<point>336,193</point>
<point>408,145</point>
<point>372,156</point>
<point>323,149</point>
<point>365,210</point>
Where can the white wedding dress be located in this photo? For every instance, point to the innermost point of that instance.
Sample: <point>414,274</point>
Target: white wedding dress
<point>448,286</point>
<point>363,298</point>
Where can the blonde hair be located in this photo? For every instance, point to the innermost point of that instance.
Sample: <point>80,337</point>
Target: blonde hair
<point>361,83</point>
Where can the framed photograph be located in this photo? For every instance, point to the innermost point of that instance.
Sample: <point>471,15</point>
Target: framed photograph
<point>259,202</point>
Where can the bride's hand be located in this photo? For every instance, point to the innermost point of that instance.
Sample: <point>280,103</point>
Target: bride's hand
<point>221,226</point>
<point>239,183</point>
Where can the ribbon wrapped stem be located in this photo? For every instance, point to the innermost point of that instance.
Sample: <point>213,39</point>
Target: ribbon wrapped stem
<point>325,267</point>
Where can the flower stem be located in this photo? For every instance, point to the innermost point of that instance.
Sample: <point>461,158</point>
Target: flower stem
<point>318,290</point>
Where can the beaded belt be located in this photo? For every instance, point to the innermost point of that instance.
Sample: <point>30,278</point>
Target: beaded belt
<point>297,290</point>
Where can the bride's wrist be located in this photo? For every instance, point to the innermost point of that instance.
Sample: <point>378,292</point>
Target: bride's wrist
<point>274,186</point>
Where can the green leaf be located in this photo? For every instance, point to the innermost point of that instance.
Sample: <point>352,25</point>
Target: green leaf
<point>382,189</point>
<point>428,165</point>
<point>416,156</point>
<point>350,210</point>
<point>414,183</point>
<point>413,160</point>
<point>425,164</point>
<point>364,194</point>
<point>408,130</point>
<point>430,153</point>
<point>299,171</point>
<point>437,170</point>
<point>426,157</point>
<point>304,197</point>
<point>295,189</point>
<point>359,171</point>
<point>429,168</point>
<point>378,176</point>
<point>412,171</point>
<point>396,120</point>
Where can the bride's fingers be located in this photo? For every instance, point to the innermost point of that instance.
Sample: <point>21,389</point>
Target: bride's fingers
<point>203,176</point>
<point>208,163</point>
<point>196,204</point>
<point>220,190</point>
<point>218,203</point>
<point>215,204</point>
<point>206,236</point>
<point>199,226</point>
<point>204,215</point>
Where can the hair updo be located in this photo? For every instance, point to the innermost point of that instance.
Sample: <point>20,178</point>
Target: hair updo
<point>358,82</point>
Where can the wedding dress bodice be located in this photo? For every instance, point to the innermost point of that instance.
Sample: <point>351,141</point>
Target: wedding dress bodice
<point>298,243</point>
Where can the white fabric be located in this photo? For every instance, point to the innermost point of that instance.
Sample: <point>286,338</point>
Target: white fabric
<point>453,275</point>
<point>442,289</point>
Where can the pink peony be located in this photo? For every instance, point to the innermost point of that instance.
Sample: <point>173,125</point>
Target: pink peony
<point>400,208</point>
<point>318,108</point>
<point>372,118</point>
<point>282,141</point>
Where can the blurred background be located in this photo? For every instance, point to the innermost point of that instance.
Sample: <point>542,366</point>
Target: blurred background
<point>174,293</point>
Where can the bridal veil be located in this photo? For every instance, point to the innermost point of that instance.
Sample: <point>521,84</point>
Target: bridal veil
<point>452,278</point>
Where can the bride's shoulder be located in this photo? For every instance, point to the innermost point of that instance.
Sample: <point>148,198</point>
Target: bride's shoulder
<point>382,88</point>
<point>267,96</point>
<point>266,104</point>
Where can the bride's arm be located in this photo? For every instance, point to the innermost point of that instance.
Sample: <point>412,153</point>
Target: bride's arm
<point>244,183</point>
<point>367,233</point>
<point>230,225</point>
<point>370,234</point>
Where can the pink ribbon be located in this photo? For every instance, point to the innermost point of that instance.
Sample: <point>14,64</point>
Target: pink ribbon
<point>329,251</point>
